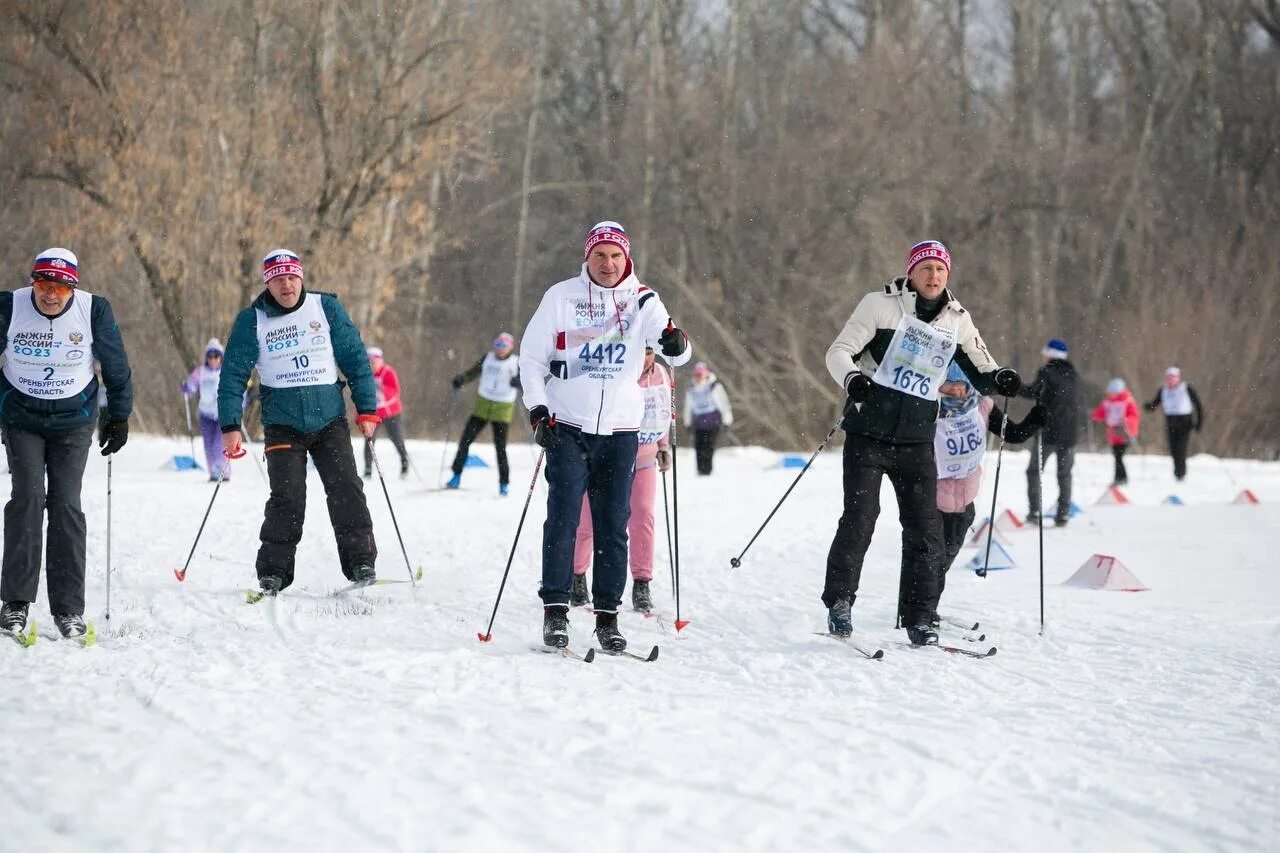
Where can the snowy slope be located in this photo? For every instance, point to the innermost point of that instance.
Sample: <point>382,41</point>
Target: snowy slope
<point>1139,721</point>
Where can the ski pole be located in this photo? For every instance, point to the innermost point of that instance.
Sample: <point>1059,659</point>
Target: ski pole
<point>666,515</point>
<point>191,436</point>
<point>488,632</point>
<point>107,615</point>
<point>995,490</point>
<point>1040,518</point>
<point>378,467</point>
<point>675,500</point>
<point>736,562</point>
<point>181,574</point>
<point>448,428</point>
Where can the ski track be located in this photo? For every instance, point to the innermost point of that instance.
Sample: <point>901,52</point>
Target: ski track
<point>376,720</point>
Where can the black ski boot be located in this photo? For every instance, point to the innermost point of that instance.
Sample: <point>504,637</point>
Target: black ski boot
<point>579,596</point>
<point>270,584</point>
<point>555,626</point>
<point>607,634</point>
<point>13,616</point>
<point>840,618</point>
<point>640,598</point>
<point>923,634</point>
<point>70,624</point>
<point>364,575</point>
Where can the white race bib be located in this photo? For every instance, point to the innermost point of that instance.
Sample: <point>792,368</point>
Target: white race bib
<point>50,359</point>
<point>959,443</point>
<point>917,358</point>
<point>209,391</point>
<point>657,412</point>
<point>294,349</point>
<point>495,378</point>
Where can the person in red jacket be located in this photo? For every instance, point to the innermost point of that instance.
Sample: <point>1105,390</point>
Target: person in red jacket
<point>1119,411</point>
<point>390,408</point>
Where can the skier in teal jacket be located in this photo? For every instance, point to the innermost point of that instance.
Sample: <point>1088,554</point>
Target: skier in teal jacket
<point>299,341</point>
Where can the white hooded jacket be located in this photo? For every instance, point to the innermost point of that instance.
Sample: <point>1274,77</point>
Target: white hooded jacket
<point>583,351</point>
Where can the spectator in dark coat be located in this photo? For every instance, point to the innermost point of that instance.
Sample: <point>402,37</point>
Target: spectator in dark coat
<point>1054,388</point>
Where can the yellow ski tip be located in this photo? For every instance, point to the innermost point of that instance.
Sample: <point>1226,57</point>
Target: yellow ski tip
<point>90,636</point>
<point>418,574</point>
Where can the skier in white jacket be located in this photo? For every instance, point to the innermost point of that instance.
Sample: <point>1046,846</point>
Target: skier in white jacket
<point>580,362</point>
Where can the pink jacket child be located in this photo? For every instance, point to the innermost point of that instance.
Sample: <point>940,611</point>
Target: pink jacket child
<point>652,456</point>
<point>1120,412</point>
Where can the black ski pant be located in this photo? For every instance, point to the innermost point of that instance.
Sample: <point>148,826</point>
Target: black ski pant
<point>469,432</point>
<point>1066,456</point>
<point>704,447</point>
<point>602,467</point>
<point>1121,475</point>
<point>914,476</point>
<point>330,449</point>
<point>955,528</point>
<point>59,455</point>
<point>397,438</point>
<point>1178,428</point>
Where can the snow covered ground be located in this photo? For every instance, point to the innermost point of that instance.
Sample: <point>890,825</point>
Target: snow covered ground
<point>1138,721</point>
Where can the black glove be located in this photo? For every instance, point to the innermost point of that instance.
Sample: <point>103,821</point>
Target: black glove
<point>673,341</point>
<point>1036,418</point>
<point>1007,381</point>
<point>544,428</point>
<point>113,436</point>
<point>458,381</point>
<point>859,389</point>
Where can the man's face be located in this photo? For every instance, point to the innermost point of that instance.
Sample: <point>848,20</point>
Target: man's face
<point>51,296</point>
<point>606,264</point>
<point>929,278</point>
<point>285,290</point>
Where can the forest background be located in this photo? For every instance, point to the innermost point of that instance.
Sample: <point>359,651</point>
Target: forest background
<point>1104,171</point>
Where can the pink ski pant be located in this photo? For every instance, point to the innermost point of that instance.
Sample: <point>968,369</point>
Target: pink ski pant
<point>639,528</point>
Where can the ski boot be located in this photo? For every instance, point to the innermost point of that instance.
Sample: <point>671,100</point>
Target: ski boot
<point>607,633</point>
<point>1060,520</point>
<point>840,618</point>
<point>270,584</point>
<point>923,634</point>
<point>368,475</point>
<point>364,575</point>
<point>454,482</point>
<point>70,624</point>
<point>555,626</point>
<point>640,598</point>
<point>502,490</point>
<point>1033,517</point>
<point>13,616</point>
<point>579,595</point>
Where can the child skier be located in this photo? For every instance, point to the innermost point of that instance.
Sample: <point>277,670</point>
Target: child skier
<point>499,373</point>
<point>1119,411</point>
<point>203,385</point>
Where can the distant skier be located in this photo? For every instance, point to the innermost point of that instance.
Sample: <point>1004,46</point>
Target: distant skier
<point>499,373</point>
<point>890,358</point>
<point>299,341</point>
<point>1119,412</point>
<point>958,446</point>
<point>1054,388</point>
<point>202,384</point>
<point>387,383</point>
<point>652,456</point>
<point>1182,416</point>
<point>53,331</point>
<point>706,409</point>
<point>587,335</point>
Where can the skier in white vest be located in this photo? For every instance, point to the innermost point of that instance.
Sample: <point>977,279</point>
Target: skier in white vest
<point>588,336</point>
<point>706,409</point>
<point>48,407</point>
<point>499,374</point>
<point>1183,415</point>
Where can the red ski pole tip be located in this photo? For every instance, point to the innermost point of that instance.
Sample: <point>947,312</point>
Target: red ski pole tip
<point>180,574</point>
<point>484,638</point>
<point>680,624</point>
